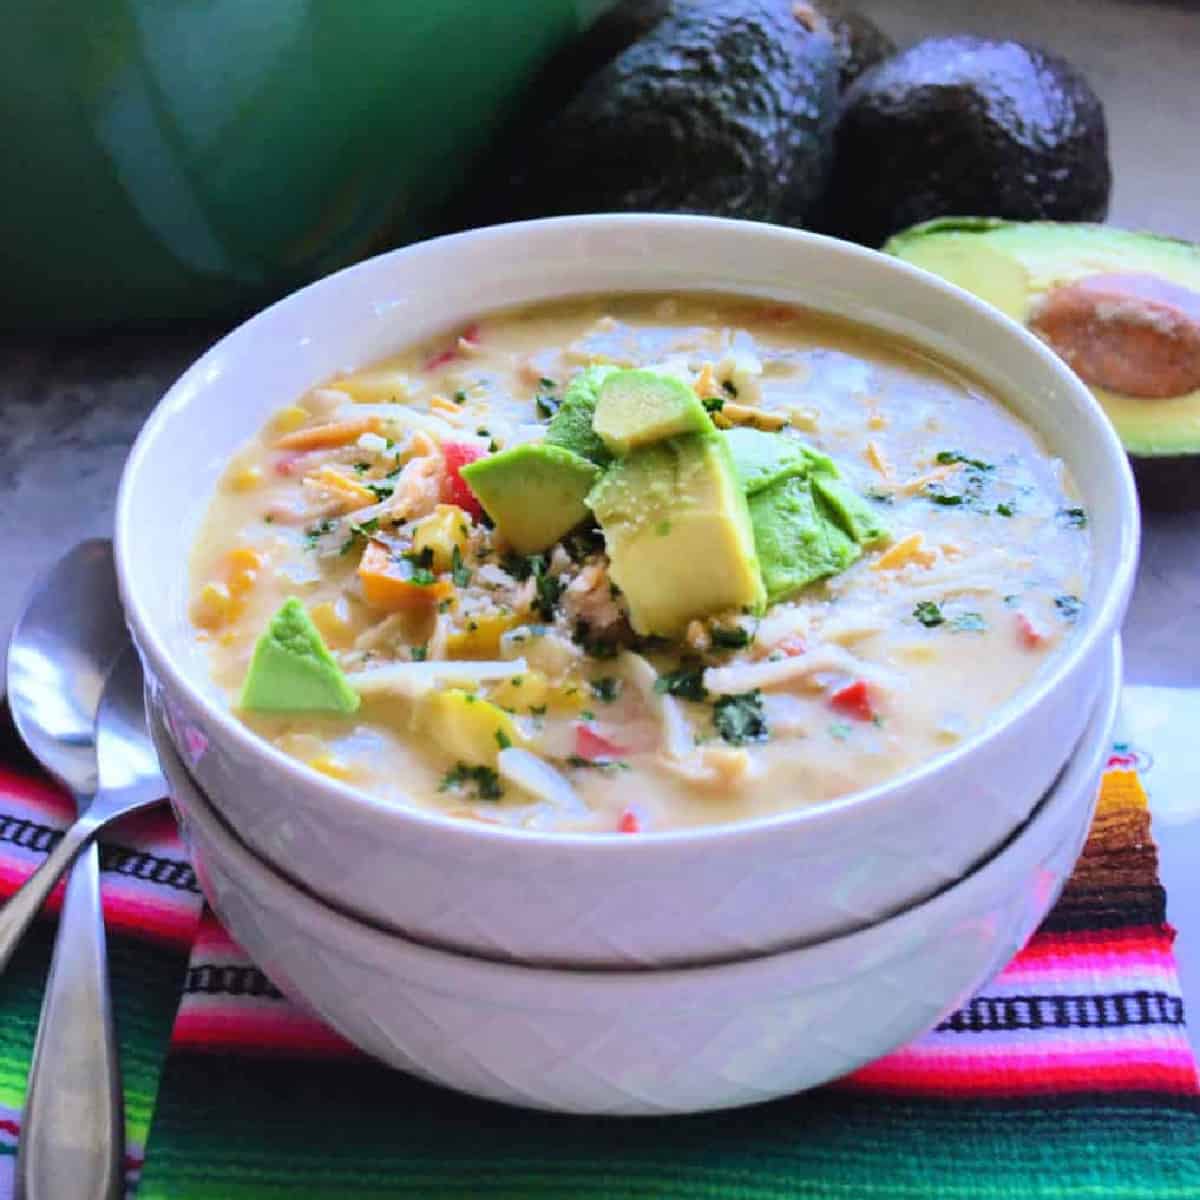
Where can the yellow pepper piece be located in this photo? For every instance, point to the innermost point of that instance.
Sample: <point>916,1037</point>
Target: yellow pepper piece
<point>480,636</point>
<point>467,728</point>
<point>244,479</point>
<point>444,530</point>
<point>441,404</point>
<point>378,387</point>
<point>347,490</point>
<point>531,689</point>
<point>242,566</point>
<point>388,584</point>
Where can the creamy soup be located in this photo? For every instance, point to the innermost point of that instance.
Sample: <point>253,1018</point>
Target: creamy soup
<point>636,563</point>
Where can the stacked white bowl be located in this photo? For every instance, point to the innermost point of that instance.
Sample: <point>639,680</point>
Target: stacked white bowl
<point>749,959</point>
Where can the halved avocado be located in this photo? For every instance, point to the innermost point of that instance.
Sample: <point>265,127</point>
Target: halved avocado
<point>1122,308</point>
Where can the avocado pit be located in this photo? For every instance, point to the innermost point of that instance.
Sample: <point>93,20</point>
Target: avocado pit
<point>1135,334</point>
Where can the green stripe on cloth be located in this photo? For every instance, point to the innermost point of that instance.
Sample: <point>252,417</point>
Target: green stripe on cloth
<point>341,1129</point>
<point>146,981</point>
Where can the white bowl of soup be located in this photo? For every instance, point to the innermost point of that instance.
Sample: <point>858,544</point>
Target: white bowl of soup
<point>658,1041</point>
<point>626,590</point>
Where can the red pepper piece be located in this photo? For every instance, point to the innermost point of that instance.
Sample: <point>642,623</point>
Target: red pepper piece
<point>628,822</point>
<point>455,489</point>
<point>443,357</point>
<point>854,700</point>
<point>1030,636</point>
<point>593,746</point>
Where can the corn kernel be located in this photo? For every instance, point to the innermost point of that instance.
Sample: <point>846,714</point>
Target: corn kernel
<point>522,692</point>
<point>242,567</point>
<point>877,421</point>
<point>289,419</point>
<point>244,479</point>
<point>444,530</point>
<point>333,623</point>
<point>212,608</point>
<point>331,765</point>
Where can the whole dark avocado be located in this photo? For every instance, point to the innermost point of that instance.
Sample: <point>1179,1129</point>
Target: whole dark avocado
<point>857,40</point>
<point>962,125</point>
<point>1121,308</point>
<point>722,108</point>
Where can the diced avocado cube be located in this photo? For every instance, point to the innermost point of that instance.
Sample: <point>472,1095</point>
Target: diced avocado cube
<point>637,407</point>
<point>535,493</point>
<point>795,543</point>
<point>571,426</point>
<point>678,533</point>
<point>761,459</point>
<point>855,514</point>
<point>292,669</point>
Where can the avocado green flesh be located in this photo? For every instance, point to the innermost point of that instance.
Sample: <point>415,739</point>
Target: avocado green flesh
<point>761,459</point>
<point>855,515</point>
<point>292,669</point>
<point>796,544</point>
<point>534,493</point>
<point>1012,264</point>
<point>571,426</point>
<point>637,407</point>
<point>678,534</point>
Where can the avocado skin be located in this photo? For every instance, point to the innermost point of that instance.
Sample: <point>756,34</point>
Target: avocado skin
<point>858,42</point>
<point>962,125</point>
<point>721,109</point>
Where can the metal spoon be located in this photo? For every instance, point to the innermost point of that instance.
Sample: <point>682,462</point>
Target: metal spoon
<point>66,640</point>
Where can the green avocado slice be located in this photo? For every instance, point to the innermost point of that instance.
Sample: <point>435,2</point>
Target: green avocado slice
<point>1016,266</point>
<point>534,493</point>
<point>637,407</point>
<point>571,426</point>
<point>796,543</point>
<point>761,459</point>
<point>855,515</point>
<point>292,669</point>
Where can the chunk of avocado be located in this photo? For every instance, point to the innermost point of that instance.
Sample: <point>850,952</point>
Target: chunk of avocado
<point>858,41</point>
<point>966,125</point>
<point>720,108</point>
<point>292,669</point>
<point>854,514</point>
<point>795,542</point>
<point>1123,308</point>
<point>678,533</point>
<point>535,493</point>
<point>761,459</point>
<point>637,407</point>
<point>571,426</point>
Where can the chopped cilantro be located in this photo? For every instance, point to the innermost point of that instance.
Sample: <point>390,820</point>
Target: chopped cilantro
<point>940,496</point>
<point>687,683</point>
<point>881,497</point>
<point>954,456</point>
<point>460,573</point>
<point>739,719</point>
<point>606,689</point>
<point>358,534</point>
<point>503,740</point>
<point>537,710</point>
<point>547,383</point>
<point>577,760</point>
<point>361,468</point>
<point>730,387</point>
<point>1004,509</point>
<point>1069,607</point>
<point>460,397</point>
<point>730,637</point>
<point>929,614</point>
<point>421,558</point>
<point>1073,518</point>
<point>714,404</point>
<point>482,432</point>
<point>968,622</point>
<point>268,519</point>
<point>595,647</point>
<point>381,491</point>
<point>484,780</point>
<point>314,535</point>
<point>840,730</point>
<point>546,405</point>
<point>419,653</point>
<point>422,577</point>
<point>586,714</point>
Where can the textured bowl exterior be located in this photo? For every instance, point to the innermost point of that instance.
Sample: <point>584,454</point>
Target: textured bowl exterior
<point>659,899</point>
<point>659,1041</point>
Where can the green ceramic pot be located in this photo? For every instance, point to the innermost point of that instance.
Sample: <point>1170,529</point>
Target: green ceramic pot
<point>189,158</point>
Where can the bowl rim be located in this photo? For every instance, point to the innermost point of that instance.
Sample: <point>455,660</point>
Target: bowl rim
<point>1086,760</point>
<point>1102,621</point>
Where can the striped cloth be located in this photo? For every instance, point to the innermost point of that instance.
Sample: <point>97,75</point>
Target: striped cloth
<point>1069,1077</point>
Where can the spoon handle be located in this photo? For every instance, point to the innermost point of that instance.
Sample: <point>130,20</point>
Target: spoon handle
<point>25,904</point>
<point>72,1130</point>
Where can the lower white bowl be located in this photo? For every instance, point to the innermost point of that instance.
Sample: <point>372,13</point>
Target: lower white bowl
<point>650,1041</point>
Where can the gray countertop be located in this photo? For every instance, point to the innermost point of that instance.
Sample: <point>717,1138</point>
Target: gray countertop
<point>69,408</point>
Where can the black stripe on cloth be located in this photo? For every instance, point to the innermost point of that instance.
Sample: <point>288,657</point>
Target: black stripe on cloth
<point>215,979</point>
<point>120,860</point>
<point>1002,1014</point>
<point>1112,908</point>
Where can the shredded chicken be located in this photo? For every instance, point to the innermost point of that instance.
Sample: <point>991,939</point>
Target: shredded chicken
<point>588,597</point>
<point>749,677</point>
